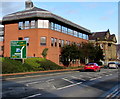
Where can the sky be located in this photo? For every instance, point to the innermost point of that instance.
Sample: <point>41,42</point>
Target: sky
<point>94,15</point>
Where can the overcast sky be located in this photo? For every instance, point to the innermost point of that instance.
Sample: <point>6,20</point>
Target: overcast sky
<point>95,16</point>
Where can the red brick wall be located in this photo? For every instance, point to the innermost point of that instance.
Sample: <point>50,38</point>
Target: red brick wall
<point>12,33</point>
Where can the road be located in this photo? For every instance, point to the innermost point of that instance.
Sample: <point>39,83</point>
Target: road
<point>66,84</point>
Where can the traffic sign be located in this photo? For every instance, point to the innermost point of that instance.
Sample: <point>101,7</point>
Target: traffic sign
<point>18,49</point>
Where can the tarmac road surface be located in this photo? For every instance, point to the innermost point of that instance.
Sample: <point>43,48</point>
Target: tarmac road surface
<point>103,84</point>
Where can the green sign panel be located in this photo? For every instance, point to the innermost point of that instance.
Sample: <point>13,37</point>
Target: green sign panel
<point>18,49</point>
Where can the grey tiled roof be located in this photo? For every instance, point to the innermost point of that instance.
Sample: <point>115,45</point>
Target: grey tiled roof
<point>102,36</point>
<point>35,12</point>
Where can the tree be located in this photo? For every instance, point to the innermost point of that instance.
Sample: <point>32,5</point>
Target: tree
<point>44,52</point>
<point>68,54</point>
<point>91,52</point>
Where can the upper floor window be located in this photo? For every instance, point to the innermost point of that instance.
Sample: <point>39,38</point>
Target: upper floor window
<point>32,24</point>
<point>43,41</point>
<point>52,25</point>
<point>70,32</point>
<point>43,24</point>
<point>21,25</point>
<point>27,24</point>
<point>75,33</point>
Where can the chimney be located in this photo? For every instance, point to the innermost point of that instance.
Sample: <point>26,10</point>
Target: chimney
<point>28,4</point>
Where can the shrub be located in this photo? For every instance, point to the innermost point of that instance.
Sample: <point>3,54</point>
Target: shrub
<point>31,64</point>
<point>49,65</point>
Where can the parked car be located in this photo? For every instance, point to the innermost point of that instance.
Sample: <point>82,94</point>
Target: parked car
<point>113,65</point>
<point>92,66</point>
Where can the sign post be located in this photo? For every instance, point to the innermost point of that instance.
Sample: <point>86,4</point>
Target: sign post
<point>18,49</point>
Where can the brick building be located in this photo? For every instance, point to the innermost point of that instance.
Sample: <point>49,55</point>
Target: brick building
<point>118,51</point>
<point>107,42</point>
<point>41,29</point>
<point>1,40</point>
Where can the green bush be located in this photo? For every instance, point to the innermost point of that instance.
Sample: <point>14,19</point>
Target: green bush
<point>49,65</point>
<point>31,64</point>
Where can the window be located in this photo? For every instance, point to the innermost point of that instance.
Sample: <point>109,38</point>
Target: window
<point>62,43</point>
<point>86,37</point>
<point>75,33</point>
<point>21,25</point>
<point>56,27</point>
<point>59,43</point>
<point>43,24</point>
<point>27,40</point>
<point>70,31</point>
<point>67,42</point>
<point>109,44</point>
<point>55,40</point>
<point>59,28</point>
<point>1,48</point>
<point>32,24</point>
<point>52,41</point>
<point>20,38</point>
<point>27,24</point>
<point>1,38</point>
<point>52,26</point>
<point>43,41</point>
<point>63,29</point>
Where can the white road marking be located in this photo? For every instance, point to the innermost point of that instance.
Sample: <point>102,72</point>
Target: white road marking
<point>32,96</point>
<point>78,78</point>
<point>50,80</point>
<point>32,83</point>
<point>100,77</point>
<point>67,80</point>
<point>69,86</point>
<point>111,74</point>
<point>89,77</point>
<point>93,79</point>
<point>106,75</point>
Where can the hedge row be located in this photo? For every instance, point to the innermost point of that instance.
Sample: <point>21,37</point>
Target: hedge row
<point>31,64</point>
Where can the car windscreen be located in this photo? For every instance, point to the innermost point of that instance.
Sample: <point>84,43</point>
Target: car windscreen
<point>90,64</point>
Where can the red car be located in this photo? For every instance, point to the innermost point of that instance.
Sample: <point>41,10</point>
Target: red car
<point>92,66</point>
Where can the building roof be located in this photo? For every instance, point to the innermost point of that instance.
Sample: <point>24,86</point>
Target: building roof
<point>103,36</point>
<point>33,12</point>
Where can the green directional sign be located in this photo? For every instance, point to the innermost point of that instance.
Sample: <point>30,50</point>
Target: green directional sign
<point>18,49</point>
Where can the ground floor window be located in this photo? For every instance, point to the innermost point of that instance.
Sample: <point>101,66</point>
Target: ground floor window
<point>43,41</point>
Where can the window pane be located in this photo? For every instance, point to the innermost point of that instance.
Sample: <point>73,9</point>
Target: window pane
<point>62,43</point>
<point>59,43</point>
<point>1,38</point>
<point>26,39</point>
<point>45,24</point>
<point>75,33</point>
<point>55,41</point>
<point>52,41</point>
<point>52,25</point>
<point>20,25</point>
<point>43,41</point>
<point>27,25</point>
<point>33,24</point>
